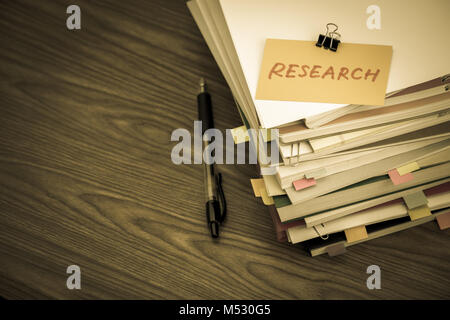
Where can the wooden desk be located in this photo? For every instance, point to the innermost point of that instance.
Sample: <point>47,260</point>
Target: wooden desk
<point>86,176</point>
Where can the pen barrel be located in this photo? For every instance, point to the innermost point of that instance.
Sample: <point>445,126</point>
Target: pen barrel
<point>205,113</point>
<point>209,182</point>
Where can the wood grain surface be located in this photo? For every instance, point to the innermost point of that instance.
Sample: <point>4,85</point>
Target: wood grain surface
<point>86,176</point>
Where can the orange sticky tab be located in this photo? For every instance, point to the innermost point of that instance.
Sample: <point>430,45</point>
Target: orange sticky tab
<point>356,234</point>
<point>257,185</point>
<point>397,179</point>
<point>303,183</point>
<point>443,220</point>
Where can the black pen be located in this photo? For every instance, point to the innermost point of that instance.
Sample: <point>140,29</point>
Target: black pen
<point>215,200</point>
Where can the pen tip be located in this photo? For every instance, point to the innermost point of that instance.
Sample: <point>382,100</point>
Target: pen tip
<point>214,228</point>
<point>202,85</point>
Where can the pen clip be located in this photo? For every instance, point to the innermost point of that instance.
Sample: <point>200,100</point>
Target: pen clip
<point>221,197</point>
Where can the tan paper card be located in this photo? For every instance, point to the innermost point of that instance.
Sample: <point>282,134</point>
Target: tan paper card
<point>356,234</point>
<point>294,70</point>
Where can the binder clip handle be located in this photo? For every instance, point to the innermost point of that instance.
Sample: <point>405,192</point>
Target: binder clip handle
<point>332,24</point>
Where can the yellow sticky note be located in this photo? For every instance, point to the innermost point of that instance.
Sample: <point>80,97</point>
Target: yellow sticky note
<point>407,168</point>
<point>240,134</point>
<point>257,185</point>
<point>265,197</point>
<point>294,70</point>
<point>356,234</point>
<point>419,212</point>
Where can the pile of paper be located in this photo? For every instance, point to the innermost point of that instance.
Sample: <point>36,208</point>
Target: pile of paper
<point>353,165</point>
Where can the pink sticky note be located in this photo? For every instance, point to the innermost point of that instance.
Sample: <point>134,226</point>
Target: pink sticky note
<point>303,183</point>
<point>396,178</point>
<point>443,220</point>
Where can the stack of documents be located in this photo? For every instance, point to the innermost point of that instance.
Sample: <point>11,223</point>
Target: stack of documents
<point>363,141</point>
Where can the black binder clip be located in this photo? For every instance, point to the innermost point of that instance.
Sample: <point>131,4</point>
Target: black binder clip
<point>331,39</point>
